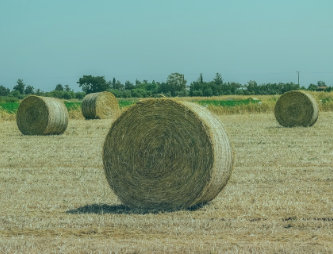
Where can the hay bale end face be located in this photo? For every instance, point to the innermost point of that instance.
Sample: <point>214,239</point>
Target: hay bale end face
<point>161,154</point>
<point>38,115</point>
<point>296,108</point>
<point>103,105</point>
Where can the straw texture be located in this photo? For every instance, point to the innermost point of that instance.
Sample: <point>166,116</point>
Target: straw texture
<point>41,116</point>
<point>103,105</point>
<point>296,108</point>
<point>166,155</point>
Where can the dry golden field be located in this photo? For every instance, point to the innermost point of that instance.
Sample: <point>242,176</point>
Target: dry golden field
<point>55,198</point>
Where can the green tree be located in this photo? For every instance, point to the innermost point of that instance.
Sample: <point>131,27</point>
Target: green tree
<point>234,86</point>
<point>153,87</point>
<point>252,87</point>
<point>218,79</point>
<point>114,83</point>
<point>20,86</point>
<point>200,79</point>
<point>29,90</point>
<point>68,95</point>
<point>208,92</point>
<point>321,83</point>
<point>139,92</point>
<point>59,87</point>
<point>118,85</point>
<point>312,87</point>
<point>127,94</point>
<point>176,83</point>
<point>68,89</point>
<point>39,92</point>
<point>196,93</point>
<point>80,95</point>
<point>129,85</point>
<point>4,91</point>
<point>91,84</point>
<point>117,93</point>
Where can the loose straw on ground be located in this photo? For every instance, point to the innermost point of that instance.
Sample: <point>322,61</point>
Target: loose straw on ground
<point>296,108</point>
<point>42,116</point>
<point>165,155</point>
<point>101,105</point>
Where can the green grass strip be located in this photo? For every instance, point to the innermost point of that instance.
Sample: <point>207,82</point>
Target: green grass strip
<point>72,105</point>
<point>10,107</point>
<point>230,103</point>
<point>123,103</point>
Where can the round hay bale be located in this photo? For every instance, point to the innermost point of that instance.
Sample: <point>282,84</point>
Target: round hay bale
<point>296,108</point>
<point>103,105</point>
<point>162,154</point>
<point>38,115</point>
<point>252,99</point>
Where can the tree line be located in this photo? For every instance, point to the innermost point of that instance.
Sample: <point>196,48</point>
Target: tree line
<point>21,90</point>
<point>175,85</point>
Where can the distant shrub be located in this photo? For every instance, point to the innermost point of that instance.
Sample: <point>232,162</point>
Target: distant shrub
<point>10,99</point>
<point>80,95</point>
<point>116,93</point>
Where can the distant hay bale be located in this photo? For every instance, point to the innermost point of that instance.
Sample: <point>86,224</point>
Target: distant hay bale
<point>252,99</point>
<point>161,154</point>
<point>103,105</point>
<point>38,115</point>
<point>296,108</point>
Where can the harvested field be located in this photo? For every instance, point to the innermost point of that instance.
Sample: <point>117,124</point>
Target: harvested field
<point>55,197</point>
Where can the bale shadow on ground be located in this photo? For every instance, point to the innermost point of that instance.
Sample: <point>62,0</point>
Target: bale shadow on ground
<point>119,209</point>
<point>275,127</point>
<point>101,209</point>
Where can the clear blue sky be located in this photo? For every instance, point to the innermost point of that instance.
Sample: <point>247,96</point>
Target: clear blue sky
<point>50,42</point>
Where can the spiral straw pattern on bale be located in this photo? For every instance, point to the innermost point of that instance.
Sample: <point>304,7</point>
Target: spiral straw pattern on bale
<point>166,155</point>
<point>296,108</point>
<point>38,115</point>
<point>101,105</point>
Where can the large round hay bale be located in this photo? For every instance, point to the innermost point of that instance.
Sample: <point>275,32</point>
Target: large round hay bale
<point>161,154</point>
<point>38,115</point>
<point>103,105</point>
<point>296,108</point>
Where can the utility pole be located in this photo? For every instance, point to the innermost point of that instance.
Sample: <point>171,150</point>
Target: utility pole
<point>297,77</point>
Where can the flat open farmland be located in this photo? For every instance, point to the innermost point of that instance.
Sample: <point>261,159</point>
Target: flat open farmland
<point>54,197</point>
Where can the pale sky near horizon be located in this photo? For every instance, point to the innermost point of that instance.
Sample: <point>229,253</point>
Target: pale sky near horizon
<point>50,42</point>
